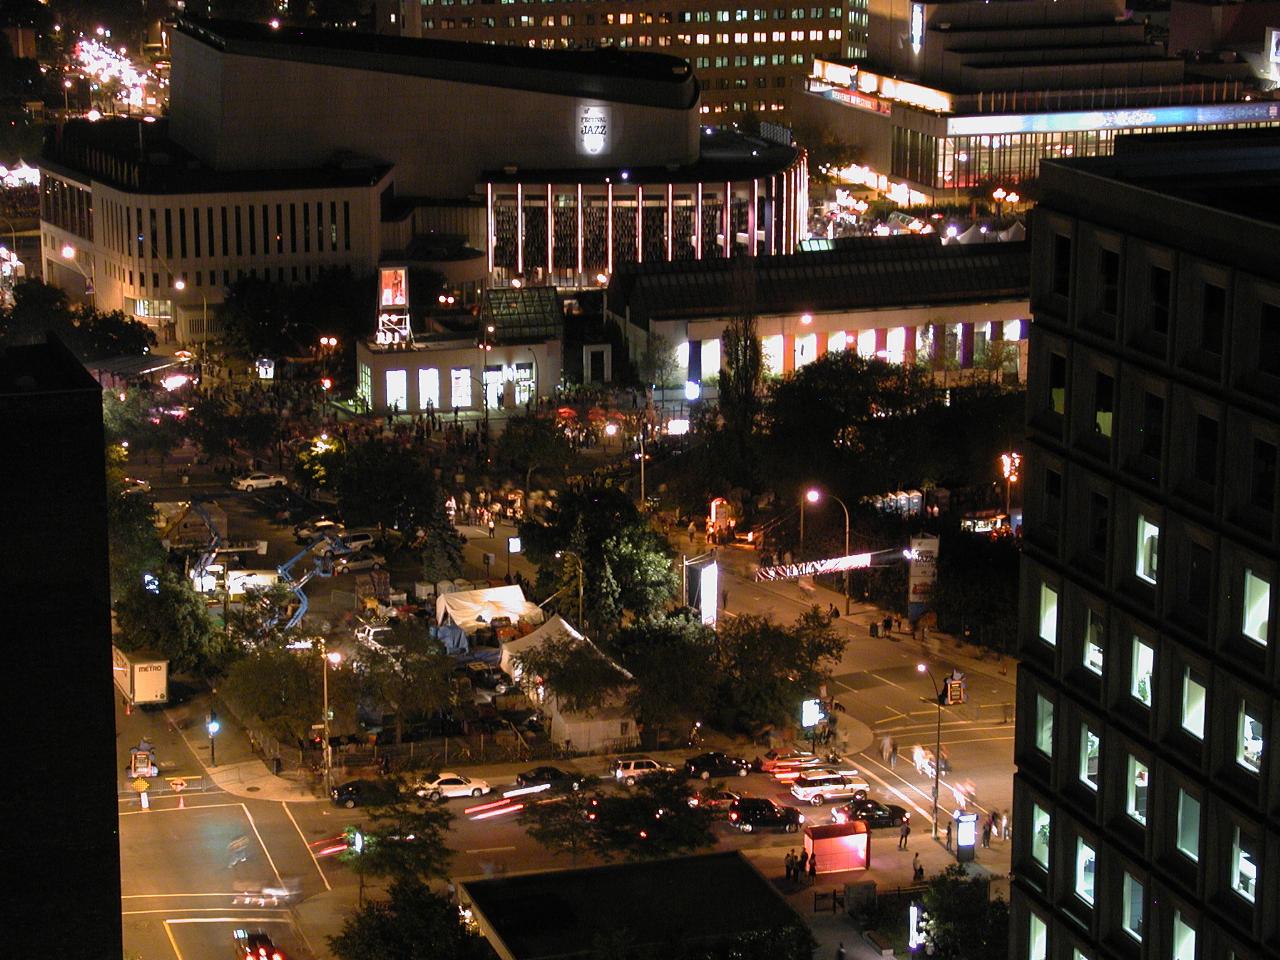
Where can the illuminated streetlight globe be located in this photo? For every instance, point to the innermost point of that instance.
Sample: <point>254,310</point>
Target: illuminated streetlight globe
<point>68,252</point>
<point>813,496</point>
<point>179,284</point>
<point>610,429</point>
<point>921,668</point>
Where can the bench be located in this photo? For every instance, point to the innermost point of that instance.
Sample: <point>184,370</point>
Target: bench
<point>879,942</point>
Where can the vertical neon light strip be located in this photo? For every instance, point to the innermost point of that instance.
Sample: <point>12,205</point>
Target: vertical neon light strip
<point>520,228</point>
<point>609,225</point>
<point>639,224</point>
<point>551,234</point>
<point>670,218</point>
<point>697,227</point>
<point>580,266</point>
<point>488,192</point>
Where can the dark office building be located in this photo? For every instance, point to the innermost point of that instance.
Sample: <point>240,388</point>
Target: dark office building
<point>61,839</point>
<point>1147,801</point>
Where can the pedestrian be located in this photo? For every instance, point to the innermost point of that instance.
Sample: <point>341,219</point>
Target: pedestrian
<point>840,951</point>
<point>803,864</point>
<point>948,836</point>
<point>917,869</point>
<point>813,867</point>
<point>903,833</point>
<point>790,862</point>
<point>893,753</point>
<point>724,599</point>
<point>693,530</point>
<point>1004,825</point>
<point>986,834</point>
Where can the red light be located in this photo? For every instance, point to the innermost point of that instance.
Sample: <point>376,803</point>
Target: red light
<point>733,816</point>
<point>644,835</point>
<point>326,383</point>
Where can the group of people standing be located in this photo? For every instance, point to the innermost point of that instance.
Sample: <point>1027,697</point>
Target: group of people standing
<point>799,866</point>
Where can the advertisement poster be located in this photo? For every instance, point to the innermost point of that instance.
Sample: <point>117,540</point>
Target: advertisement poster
<point>394,287</point>
<point>921,576</point>
<point>593,129</point>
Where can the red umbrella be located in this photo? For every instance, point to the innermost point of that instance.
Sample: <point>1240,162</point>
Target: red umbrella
<point>567,413</point>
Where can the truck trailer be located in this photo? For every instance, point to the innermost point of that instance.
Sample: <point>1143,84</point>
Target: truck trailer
<point>142,678</point>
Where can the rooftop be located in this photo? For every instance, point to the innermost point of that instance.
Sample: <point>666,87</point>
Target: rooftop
<point>42,369</point>
<point>607,73</point>
<point>569,913</point>
<point>859,274</point>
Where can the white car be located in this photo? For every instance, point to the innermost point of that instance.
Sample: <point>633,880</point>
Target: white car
<point>629,769</point>
<point>258,481</point>
<point>362,560</point>
<point>819,786</point>
<point>446,785</point>
<point>133,485</point>
<point>353,540</point>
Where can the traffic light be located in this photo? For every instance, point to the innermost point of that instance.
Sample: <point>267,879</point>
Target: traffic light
<point>326,383</point>
<point>212,723</point>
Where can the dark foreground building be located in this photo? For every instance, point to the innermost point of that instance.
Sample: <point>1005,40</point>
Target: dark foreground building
<point>62,850</point>
<point>1147,796</point>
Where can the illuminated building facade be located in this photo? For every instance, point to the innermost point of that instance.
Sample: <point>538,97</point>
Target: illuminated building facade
<point>1147,793</point>
<point>749,56</point>
<point>289,151</point>
<point>958,96</point>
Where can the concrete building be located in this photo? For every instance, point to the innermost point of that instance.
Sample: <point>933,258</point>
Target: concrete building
<point>58,698</point>
<point>290,151</point>
<point>960,309</point>
<point>1147,796</point>
<point>956,96</point>
<point>747,57</point>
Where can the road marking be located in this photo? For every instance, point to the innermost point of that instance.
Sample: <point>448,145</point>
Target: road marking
<point>883,680</point>
<point>302,836</point>
<point>254,826</point>
<point>284,919</point>
<point>928,795</point>
<point>979,740</point>
<point>157,896</point>
<point>137,913</point>
<point>172,942</point>
<point>489,850</point>
<point>204,806</point>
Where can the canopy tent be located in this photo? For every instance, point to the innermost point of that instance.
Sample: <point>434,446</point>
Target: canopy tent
<point>1014,233</point>
<point>554,628</point>
<point>473,609</point>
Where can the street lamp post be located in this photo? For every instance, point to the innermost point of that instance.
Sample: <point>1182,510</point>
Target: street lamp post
<point>937,743</point>
<point>326,659</point>
<point>813,496</point>
<point>69,254</point>
<point>1010,468</point>
<point>213,726</point>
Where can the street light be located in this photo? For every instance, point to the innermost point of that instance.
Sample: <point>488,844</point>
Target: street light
<point>1010,468</point>
<point>937,743</point>
<point>813,496</point>
<point>69,254</point>
<point>213,726</point>
<point>561,554</point>
<point>327,659</point>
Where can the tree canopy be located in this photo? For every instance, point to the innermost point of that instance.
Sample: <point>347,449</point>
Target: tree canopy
<point>412,923</point>
<point>961,919</point>
<point>161,613</point>
<point>672,659</point>
<point>409,675</point>
<point>532,444</point>
<point>284,689</point>
<point>579,675</point>
<point>403,841</point>
<point>40,309</point>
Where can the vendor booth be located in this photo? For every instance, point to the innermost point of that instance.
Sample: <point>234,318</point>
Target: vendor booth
<point>473,609</point>
<point>839,846</point>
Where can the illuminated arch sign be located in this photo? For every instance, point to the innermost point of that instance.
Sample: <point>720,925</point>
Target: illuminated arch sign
<point>1138,117</point>
<point>594,129</point>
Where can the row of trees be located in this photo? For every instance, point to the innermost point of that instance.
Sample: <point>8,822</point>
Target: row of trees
<point>39,309</point>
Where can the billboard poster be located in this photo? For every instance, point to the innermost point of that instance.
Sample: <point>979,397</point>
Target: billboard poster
<point>922,574</point>
<point>1273,45</point>
<point>593,130</point>
<point>394,287</point>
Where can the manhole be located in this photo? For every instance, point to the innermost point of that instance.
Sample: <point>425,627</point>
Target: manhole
<point>252,789</point>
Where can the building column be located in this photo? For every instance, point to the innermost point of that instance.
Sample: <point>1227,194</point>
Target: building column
<point>966,345</point>
<point>581,267</point>
<point>788,353</point>
<point>520,228</point>
<point>670,224</point>
<point>551,235</point>
<point>609,226</point>
<point>489,230</point>
<point>639,224</point>
<point>939,352</point>
<point>727,204</point>
<point>751,217</point>
<point>882,341</point>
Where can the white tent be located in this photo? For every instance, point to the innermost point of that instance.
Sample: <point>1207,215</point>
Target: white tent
<point>1015,232</point>
<point>974,234</point>
<point>473,609</point>
<point>557,626</point>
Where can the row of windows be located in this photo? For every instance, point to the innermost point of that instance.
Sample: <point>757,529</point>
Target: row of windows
<point>198,232</point>
<point>66,206</point>
<point>741,106</point>
<point>640,40</point>
<point>197,278</point>
<point>498,382</point>
<point>756,60</point>
<point>738,15</point>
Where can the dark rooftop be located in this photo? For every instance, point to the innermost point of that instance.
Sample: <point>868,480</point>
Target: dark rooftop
<point>656,79</point>
<point>568,913</point>
<point>140,157</point>
<point>723,154</point>
<point>859,274</point>
<point>42,369</point>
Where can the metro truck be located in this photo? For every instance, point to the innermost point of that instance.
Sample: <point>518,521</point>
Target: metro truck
<point>142,678</point>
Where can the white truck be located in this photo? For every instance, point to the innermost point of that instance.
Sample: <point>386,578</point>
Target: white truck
<point>143,679</point>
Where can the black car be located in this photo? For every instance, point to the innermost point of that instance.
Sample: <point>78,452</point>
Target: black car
<point>759,813</point>
<point>364,793</point>
<point>875,813</point>
<point>716,764</point>
<point>557,778</point>
<point>255,945</point>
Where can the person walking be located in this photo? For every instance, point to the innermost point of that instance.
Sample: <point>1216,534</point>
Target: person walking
<point>903,833</point>
<point>1004,825</point>
<point>948,836</point>
<point>803,864</point>
<point>840,951</point>
<point>790,862</point>
<point>986,834</point>
<point>813,867</point>
<point>893,753</point>
<point>917,869</point>
<point>693,530</point>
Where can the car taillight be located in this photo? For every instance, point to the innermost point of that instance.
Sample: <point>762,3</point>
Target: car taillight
<point>733,816</point>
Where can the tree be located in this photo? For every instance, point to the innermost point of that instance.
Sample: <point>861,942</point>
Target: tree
<point>255,315</point>
<point>657,362</point>
<point>212,426</point>
<point>961,919</point>
<point>976,595</point>
<point>410,674</point>
<point>403,841</point>
<point>580,677</point>
<point>673,661</point>
<point>284,689</point>
<point>389,487</point>
<point>564,824</point>
<point>132,542</point>
<point>766,669</point>
<point>743,361</point>
<point>259,619</point>
<point>411,924</point>
<point>829,153</point>
<point>651,820</point>
<point>161,613</point>
<point>530,444</point>
<point>40,309</point>
<point>441,551</point>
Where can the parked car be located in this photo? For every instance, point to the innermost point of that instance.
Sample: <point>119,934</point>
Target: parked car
<point>759,813</point>
<point>353,540</point>
<point>629,769</point>
<point>308,530</point>
<point>777,760</point>
<point>364,793</point>
<point>717,801</point>
<point>258,481</point>
<point>819,786</point>
<point>716,764</point>
<point>133,485</point>
<point>488,677</point>
<point>554,777</point>
<point>875,813</point>
<point>446,785</point>
<point>360,560</point>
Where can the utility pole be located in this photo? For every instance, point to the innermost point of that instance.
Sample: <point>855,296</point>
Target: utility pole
<point>937,743</point>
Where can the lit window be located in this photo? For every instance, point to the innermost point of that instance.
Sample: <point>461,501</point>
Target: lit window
<point>1144,659</point>
<point>1148,549</point>
<point>1089,756</point>
<point>1244,868</point>
<point>1257,606</point>
<point>428,388</point>
<point>1044,725</point>
<point>1135,801</point>
<point>1040,835</point>
<point>1048,614</point>
<point>1133,907</point>
<point>1085,862</point>
<point>1249,740</point>
<point>1184,938</point>
<point>1192,705</point>
<point>1093,643</point>
<point>1188,825</point>
<point>1037,939</point>
<point>460,386</point>
<point>398,391</point>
